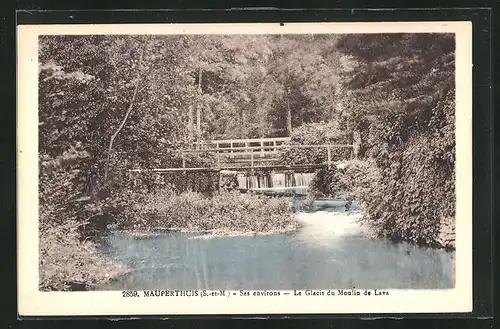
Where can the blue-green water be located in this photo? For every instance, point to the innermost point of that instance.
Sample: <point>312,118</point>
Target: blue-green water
<point>328,252</point>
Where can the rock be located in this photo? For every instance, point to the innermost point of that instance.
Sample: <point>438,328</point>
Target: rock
<point>78,286</point>
<point>446,237</point>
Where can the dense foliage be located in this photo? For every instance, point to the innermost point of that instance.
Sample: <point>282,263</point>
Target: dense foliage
<point>66,263</point>
<point>400,91</point>
<point>131,101</point>
<point>112,103</point>
<point>317,134</point>
<point>356,180</point>
<point>224,211</point>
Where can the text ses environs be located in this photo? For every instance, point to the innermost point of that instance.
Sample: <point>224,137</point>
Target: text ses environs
<point>258,293</point>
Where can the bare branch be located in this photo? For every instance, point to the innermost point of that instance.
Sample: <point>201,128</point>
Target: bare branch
<point>125,118</point>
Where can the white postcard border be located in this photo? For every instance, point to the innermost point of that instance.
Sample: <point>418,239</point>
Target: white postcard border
<point>32,302</point>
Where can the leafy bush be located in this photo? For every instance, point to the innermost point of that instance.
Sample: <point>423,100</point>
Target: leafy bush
<point>315,134</point>
<point>354,180</point>
<point>225,210</point>
<point>416,199</point>
<point>399,91</point>
<point>66,263</point>
<point>412,200</point>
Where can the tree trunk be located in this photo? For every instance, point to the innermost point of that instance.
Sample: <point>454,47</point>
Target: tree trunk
<point>288,114</point>
<point>198,126</point>
<point>339,103</point>
<point>125,118</point>
<point>190,123</point>
<point>331,109</point>
<point>356,143</point>
<point>198,112</point>
<point>243,119</point>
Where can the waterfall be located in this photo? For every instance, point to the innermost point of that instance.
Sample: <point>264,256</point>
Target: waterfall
<point>276,181</point>
<point>303,179</point>
<point>242,181</point>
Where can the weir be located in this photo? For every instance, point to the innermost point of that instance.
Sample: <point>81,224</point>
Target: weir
<point>275,181</point>
<point>248,164</point>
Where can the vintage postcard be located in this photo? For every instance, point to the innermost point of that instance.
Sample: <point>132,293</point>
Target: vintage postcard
<point>296,168</point>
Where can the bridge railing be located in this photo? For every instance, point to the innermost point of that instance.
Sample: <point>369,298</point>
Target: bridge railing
<point>231,144</point>
<point>230,151</point>
<point>262,156</point>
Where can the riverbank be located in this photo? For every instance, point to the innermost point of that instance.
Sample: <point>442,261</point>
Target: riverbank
<point>397,209</point>
<point>328,251</point>
<point>70,261</point>
<point>151,233</point>
<point>69,264</point>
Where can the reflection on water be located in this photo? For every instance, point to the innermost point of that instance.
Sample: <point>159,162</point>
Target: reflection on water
<point>327,228</point>
<point>328,252</point>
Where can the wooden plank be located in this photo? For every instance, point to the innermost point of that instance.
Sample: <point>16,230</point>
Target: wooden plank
<point>235,168</point>
<point>249,160</point>
<point>220,150</point>
<point>251,140</point>
<point>247,154</point>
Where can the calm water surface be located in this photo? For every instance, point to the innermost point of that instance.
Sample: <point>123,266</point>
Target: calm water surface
<point>329,252</point>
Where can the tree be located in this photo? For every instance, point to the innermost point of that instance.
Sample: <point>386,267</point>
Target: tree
<point>400,94</point>
<point>306,73</point>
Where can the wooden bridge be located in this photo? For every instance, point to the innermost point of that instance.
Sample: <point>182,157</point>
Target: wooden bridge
<point>251,154</point>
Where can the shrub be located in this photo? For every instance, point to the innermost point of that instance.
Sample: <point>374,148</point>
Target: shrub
<point>315,134</point>
<point>66,263</point>
<point>412,200</point>
<point>224,210</point>
<point>353,180</point>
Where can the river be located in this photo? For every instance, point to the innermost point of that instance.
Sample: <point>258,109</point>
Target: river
<point>329,251</point>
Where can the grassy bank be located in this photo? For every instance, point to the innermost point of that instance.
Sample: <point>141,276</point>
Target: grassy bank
<point>225,211</point>
<point>67,263</point>
<point>67,259</point>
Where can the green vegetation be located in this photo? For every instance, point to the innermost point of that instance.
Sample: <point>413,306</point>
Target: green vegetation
<point>355,181</point>
<point>399,94</point>
<point>224,211</point>
<point>66,263</point>
<point>402,97</point>
<point>316,134</point>
<point>108,104</point>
